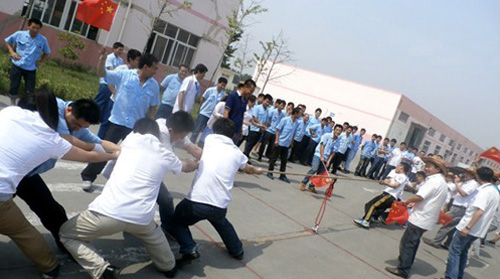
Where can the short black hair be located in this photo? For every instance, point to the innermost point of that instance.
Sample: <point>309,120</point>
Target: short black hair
<point>224,126</point>
<point>416,149</point>
<point>35,21</point>
<point>240,85</point>
<point>200,68</point>
<point>132,54</point>
<point>379,137</point>
<point>394,140</point>
<point>363,129</point>
<point>183,66</point>
<point>147,60</point>
<point>338,126</point>
<point>145,126</point>
<point>485,174</point>
<point>261,95</point>
<point>374,135</point>
<point>282,102</point>
<point>291,103</point>
<point>249,83</point>
<point>324,119</point>
<point>117,45</point>
<point>296,111</point>
<point>252,98</point>
<point>328,118</point>
<point>355,128</point>
<point>406,167</point>
<point>181,122</point>
<point>269,97</point>
<point>403,143</point>
<point>318,109</point>
<point>222,80</point>
<point>421,173</point>
<point>304,106</point>
<point>346,123</point>
<point>87,110</point>
<point>348,127</point>
<point>387,139</point>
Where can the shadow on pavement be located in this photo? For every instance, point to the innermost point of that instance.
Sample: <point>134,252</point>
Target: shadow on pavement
<point>250,185</point>
<point>419,268</point>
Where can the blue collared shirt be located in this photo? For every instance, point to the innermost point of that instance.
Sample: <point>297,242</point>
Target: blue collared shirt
<point>357,142</point>
<point>111,62</point>
<point>318,130</point>
<point>132,100</point>
<point>172,84</point>
<point>328,129</point>
<point>312,121</point>
<point>374,150</point>
<point>83,134</point>
<point>212,97</point>
<point>368,148</point>
<point>386,158</point>
<point>261,114</point>
<point>275,118</point>
<point>287,129</point>
<point>344,142</point>
<point>301,130</point>
<point>327,141</point>
<point>30,49</point>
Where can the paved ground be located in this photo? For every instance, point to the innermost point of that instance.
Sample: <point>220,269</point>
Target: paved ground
<point>272,218</point>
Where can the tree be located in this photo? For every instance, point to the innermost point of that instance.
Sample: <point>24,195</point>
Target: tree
<point>70,51</point>
<point>243,61</point>
<point>236,24</point>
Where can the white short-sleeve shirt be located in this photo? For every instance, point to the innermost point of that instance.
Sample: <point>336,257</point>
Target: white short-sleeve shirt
<point>486,199</point>
<point>400,178</point>
<point>425,214</point>
<point>214,178</point>
<point>25,142</point>
<point>191,88</point>
<point>397,156</point>
<point>130,193</point>
<point>218,112</point>
<point>470,187</point>
<point>165,137</point>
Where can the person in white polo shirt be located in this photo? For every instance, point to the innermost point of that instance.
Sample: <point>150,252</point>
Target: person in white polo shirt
<point>190,88</point>
<point>466,191</point>
<point>210,192</point>
<point>427,204</point>
<point>397,156</point>
<point>474,224</point>
<point>127,204</point>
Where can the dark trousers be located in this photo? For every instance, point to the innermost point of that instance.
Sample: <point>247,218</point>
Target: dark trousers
<point>252,140</point>
<point>38,197</point>
<point>164,111</point>
<point>16,74</point>
<point>103,100</point>
<point>375,169</point>
<point>114,134</point>
<point>296,150</point>
<point>361,168</point>
<point>388,169</point>
<point>282,152</point>
<point>309,152</point>
<point>201,123</point>
<point>408,247</point>
<point>166,208</point>
<point>269,141</point>
<point>188,213</point>
<point>376,206</point>
<point>457,255</point>
<point>244,138</point>
<point>336,161</point>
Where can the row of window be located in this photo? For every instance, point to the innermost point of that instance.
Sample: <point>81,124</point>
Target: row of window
<point>437,150</point>
<point>172,45</point>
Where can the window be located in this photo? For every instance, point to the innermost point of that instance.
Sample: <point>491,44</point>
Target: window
<point>61,14</point>
<point>465,150</point>
<point>459,146</point>
<point>437,150</point>
<point>470,153</point>
<point>431,132</point>
<point>461,159</point>
<point>426,146</point>
<point>467,162</point>
<point>454,158</point>
<point>172,45</point>
<point>403,117</point>
<point>451,142</point>
<point>442,138</point>
<point>447,154</point>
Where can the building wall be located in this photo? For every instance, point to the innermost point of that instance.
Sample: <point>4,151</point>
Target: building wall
<point>367,107</point>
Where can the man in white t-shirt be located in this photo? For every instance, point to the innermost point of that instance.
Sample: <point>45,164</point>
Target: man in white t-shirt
<point>474,224</point>
<point>210,192</point>
<point>417,165</point>
<point>190,88</point>
<point>427,204</point>
<point>395,186</point>
<point>127,204</point>
<point>397,156</point>
<point>466,191</point>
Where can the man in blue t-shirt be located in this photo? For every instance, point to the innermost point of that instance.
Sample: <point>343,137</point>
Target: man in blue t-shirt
<point>236,105</point>
<point>28,49</point>
<point>269,138</point>
<point>170,87</point>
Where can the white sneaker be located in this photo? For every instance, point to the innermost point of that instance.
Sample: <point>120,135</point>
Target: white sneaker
<point>362,222</point>
<point>86,185</point>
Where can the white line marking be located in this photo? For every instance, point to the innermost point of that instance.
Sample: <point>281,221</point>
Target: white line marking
<point>70,165</point>
<point>370,190</point>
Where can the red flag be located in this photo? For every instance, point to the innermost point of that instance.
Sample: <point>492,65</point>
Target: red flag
<point>398,213</point>
<point>321,181</point>
<point>492,154</point>
<point>98,13</point>
<point>444,219</point>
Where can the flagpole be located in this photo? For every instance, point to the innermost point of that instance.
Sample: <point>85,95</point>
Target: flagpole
<point>109,32</point>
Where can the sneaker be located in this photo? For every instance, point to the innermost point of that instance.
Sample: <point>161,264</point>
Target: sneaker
<point>111,272</point>
<point>284,179</point>
<point>302,187</point>
<point>362,222</point>
<point>171,273</point>
<point>86,185</point>
<point>312,189</point>
<point>51,274</point>
<point>239,256</point>
<point>270,175</point>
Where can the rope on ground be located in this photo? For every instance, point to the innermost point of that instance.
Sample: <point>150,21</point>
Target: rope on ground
<point>317,175</point>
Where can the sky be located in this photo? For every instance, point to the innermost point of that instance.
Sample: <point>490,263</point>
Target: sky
<point>444,55</point>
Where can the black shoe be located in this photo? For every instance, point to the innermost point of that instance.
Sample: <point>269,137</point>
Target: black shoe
<point>187,258</point>
<point>395,271</point>
<point>239,257</point>
<point>291,161</point>
<point>443,246</point>
<point>284,179</point>
<point>51,274</point>
<point>171,273</point>
<point>111,272</point>
<point>270,175</point>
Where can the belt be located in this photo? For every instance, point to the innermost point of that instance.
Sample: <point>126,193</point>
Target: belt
<point>459,206</point>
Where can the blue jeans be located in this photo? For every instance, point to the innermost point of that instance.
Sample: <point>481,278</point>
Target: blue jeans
<point>103,100</point>
<point>350,157</point>
<point>375,169</point>
<point>205,133</point>
<point>188,213</point>
<point>457,255</point>
<point>164,111</point>
<point>201,123</point>
<point>166,207</point>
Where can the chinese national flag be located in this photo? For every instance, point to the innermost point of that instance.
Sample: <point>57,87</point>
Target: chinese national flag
<point>398,214</point>
<point>321,181</point>
<point>444,219</point>
<point>98,13</point>
<point>492,154</point>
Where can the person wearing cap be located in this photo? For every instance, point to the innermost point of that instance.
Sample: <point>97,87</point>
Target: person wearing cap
<point>474,224</point>
<point>427,204</point>
<point>465,192</point>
